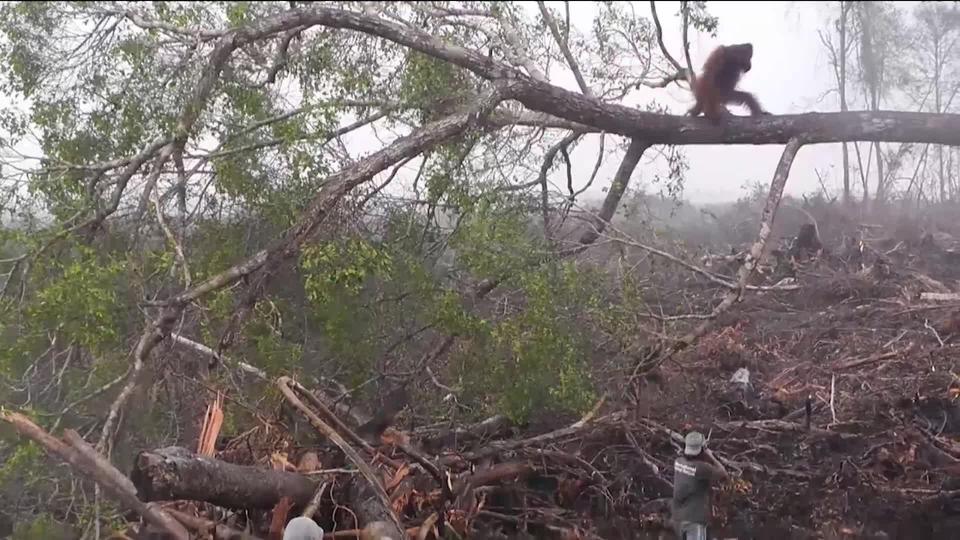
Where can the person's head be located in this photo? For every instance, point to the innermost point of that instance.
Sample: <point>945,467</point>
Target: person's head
<point>693,444</point>
<point>302,528</point>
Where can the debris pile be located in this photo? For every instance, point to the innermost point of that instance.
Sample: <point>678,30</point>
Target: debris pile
<point>832,401</point>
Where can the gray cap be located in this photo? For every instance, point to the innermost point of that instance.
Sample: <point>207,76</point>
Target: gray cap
<point>302,528</point>
<point>693,444</point>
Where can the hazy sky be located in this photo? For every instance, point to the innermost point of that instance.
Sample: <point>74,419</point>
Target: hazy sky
<point>790,75</point>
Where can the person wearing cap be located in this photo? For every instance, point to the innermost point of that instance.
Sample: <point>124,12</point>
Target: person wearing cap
<point>302,528</point>
<point>693,474</point>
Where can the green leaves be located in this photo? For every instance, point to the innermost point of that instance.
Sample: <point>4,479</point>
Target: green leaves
<point>494,240</point>
<point>83,302</point>
<point>238,13</point>
<point>701,19</point>
<point>341,268</point>
<point>433,86</point>
<point>535,359</point>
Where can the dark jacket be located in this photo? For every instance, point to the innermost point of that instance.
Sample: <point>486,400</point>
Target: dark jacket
<point>691,490</point>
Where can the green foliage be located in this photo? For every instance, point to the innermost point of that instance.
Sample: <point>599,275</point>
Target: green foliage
<point>42,527</point>
<point>26,460</point>
<point>701,19</point>
<point>347,65</point>
<point>242,176</point>
<point>274,353</point>
<point>238,13</point>
<point>83,302</point>
<point>451,316</point>
<point>494,240</point>
<point>327,275</point>
<point>617,32</point>
<point>427,81</point>
<point>533,359</point>
<point>80,302</point>
<point>335,275</point>
<point>27,26</point>
<point>218,245</point>
<point>540,352</point>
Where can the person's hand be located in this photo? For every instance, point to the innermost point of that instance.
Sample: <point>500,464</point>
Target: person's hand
<point>716,462</point>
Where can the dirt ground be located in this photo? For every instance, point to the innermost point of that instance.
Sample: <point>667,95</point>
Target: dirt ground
<point>879,455</point>
<point>879,365</point>
<point>849,426</point>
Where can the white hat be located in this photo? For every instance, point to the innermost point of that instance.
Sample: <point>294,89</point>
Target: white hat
<point>693,444</point>
<point>302,528</point>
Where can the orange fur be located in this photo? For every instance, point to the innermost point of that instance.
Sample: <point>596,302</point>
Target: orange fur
<point>717,85</point>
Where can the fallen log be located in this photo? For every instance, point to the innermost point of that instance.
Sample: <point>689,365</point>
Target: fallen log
<point>175,473</point>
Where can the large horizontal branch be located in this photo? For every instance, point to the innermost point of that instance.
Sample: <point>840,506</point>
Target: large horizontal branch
<point>654,128</point>
<point>808,128</point>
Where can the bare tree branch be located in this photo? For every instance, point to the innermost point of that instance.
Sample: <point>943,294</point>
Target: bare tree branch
<point>287,386</point>
<point>564,48</point>
<point>621,180</point>
<point>207,351</point>
<point>663,47</point>
<point>516,50</point>
<point>685,7</point>
<point>85,460</point>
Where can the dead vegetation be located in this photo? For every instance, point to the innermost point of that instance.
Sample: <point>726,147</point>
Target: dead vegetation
<point>833,400</point>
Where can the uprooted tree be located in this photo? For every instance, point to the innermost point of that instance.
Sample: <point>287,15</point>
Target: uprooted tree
<point>190,210</point>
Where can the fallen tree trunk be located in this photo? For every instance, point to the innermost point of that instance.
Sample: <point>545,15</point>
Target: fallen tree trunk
<point>176,473</point>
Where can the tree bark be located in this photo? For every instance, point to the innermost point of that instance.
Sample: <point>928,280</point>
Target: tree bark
<point>176,473</point>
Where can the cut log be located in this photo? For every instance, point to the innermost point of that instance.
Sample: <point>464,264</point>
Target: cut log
<point>176,473</point>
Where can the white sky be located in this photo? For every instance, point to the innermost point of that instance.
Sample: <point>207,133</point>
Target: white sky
<point>790,75</point>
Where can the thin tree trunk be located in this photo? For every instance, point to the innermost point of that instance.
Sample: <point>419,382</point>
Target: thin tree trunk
<point>938,103</point>
<point>843,97</point>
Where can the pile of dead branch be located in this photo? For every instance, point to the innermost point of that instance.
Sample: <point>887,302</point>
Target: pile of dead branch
<point>478,479</point>
<point>831,400</point>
